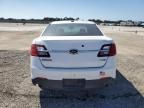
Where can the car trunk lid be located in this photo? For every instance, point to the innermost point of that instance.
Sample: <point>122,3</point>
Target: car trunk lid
<point>73,51</point>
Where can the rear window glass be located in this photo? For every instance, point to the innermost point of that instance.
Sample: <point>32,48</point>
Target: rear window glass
<point>72,30</point>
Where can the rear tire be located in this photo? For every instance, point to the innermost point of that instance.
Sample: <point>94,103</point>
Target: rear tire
<point>40,86</point>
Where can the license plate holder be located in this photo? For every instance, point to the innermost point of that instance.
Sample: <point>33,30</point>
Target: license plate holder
<point>77,83</point>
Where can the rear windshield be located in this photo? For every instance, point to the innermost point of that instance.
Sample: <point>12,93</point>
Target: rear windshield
<point>72,30</point>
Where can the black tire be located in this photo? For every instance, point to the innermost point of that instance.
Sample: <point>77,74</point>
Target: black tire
<point>40,86</point>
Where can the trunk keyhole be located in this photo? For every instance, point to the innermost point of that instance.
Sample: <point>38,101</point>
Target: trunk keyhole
<point>82,46</point>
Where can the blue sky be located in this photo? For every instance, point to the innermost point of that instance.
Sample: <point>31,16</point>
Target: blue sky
<point>85,9</point>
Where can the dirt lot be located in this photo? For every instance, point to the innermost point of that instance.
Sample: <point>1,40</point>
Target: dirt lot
<point>16,90</point>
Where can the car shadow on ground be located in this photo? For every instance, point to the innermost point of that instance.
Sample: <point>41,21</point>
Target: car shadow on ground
<point>120,94</point>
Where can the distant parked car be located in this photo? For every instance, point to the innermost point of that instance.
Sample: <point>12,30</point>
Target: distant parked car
<point>142,25</point>
<point>72,55</point>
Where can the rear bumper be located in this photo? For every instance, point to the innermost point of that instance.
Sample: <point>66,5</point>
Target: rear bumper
<point>52,78</point>
<point>60,74</point>
<point>59,84</point>
<point>37,70</point>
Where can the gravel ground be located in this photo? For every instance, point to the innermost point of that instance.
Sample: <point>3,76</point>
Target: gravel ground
<point>17,91</point>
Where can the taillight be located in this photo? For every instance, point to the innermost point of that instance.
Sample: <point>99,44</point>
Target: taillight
<point>107,50</point>
<point>39,51</point>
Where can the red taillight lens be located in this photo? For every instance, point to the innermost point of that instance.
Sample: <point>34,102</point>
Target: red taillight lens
<point>39,50</point>
<point>34,51</point>
<point>112,51</point>
<point>107,50</point>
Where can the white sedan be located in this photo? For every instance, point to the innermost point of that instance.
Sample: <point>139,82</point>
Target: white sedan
<point>72,55</point>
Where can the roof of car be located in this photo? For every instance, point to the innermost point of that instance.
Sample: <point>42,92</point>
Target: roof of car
<point>75,22</point>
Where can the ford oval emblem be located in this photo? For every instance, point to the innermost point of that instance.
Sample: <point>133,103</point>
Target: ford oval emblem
<point>73,51</point>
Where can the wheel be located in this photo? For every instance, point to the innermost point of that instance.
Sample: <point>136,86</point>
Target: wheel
<point>40,86</point>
